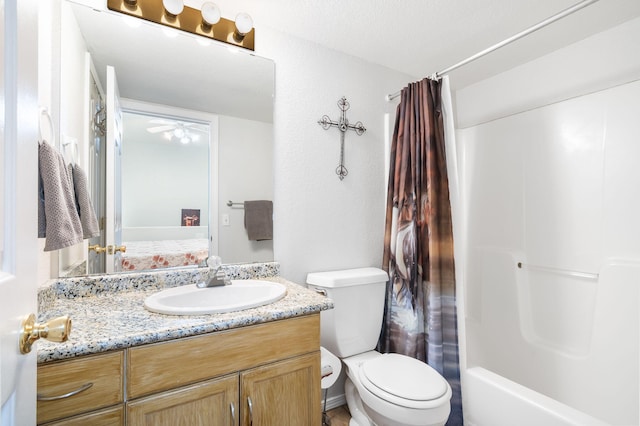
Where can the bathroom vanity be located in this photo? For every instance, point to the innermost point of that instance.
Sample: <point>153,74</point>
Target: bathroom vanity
<point>125,365</point>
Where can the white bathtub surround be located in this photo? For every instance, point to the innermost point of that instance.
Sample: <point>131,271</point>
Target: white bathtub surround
<point>554,187</point>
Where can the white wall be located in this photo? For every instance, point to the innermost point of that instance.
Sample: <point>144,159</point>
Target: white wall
<point>245,167</point>
<point>597,62</point>
<point>72,122</point>
<point>160,177</point>
<point>554,184</point>
<point>70,110</point>
<point>48,53</point>
<point>322,223</point>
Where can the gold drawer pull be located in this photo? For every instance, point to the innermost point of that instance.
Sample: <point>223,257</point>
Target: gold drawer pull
<point>82,388</point>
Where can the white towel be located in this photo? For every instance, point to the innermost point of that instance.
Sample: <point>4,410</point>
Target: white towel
<point>85,208</point>
<point>58,218</point>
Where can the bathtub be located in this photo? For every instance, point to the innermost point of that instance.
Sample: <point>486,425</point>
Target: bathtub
<point>548,348</point>
<point>490,399</point>
<point>549,232</point>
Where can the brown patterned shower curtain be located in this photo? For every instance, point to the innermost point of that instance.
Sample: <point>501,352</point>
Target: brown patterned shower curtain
<point>420,309</point>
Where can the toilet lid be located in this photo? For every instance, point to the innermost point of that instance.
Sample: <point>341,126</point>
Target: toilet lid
<point>403,380</point>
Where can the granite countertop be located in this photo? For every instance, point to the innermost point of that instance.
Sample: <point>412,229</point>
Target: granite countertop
<point>107,312</point>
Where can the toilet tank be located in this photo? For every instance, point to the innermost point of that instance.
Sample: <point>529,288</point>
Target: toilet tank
<point>353,325</point>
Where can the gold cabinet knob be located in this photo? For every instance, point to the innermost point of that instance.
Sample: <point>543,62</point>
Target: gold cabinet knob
<point>55,330</point>
<point>97,248</point>
<point>113,249</point>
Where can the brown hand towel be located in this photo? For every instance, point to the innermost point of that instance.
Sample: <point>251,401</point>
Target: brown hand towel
<point>58,218</point>
<point>258,219</point>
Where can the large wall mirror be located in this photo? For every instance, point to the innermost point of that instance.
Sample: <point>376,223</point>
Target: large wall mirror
<point>170,128</point>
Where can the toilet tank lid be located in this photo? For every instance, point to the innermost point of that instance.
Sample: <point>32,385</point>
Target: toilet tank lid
<point>347,277</point>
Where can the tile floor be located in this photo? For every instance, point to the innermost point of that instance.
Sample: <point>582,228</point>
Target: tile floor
<point>339,416</point>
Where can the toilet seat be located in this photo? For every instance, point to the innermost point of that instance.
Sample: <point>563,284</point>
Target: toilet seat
<point>403,381</point>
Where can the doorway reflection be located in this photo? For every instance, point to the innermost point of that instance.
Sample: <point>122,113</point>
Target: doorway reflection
<point>97,165</point>
<point>165,191</point>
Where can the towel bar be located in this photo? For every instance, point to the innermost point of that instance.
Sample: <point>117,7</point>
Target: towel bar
<point>231,204</point>
<point>566,272</point>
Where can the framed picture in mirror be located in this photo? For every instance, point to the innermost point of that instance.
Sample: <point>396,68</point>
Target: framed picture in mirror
<point>190,217</point>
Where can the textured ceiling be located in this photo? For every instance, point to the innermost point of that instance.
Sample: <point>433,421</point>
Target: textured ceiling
<point>415,37</point>
<point>420,37</point>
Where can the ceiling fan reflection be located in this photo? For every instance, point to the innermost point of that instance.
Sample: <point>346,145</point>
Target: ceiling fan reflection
<point>177,130</point>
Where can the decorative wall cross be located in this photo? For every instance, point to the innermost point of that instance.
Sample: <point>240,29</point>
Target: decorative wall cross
<point>342,125</point>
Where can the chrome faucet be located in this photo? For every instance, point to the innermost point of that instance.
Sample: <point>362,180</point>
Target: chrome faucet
<point>216,276</point>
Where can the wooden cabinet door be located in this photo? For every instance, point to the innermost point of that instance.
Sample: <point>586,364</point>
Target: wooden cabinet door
<point>210,403</point>
<point>113,416</point>
<point>285,393</point>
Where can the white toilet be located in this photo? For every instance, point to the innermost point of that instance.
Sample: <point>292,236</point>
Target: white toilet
<point>381,389</point>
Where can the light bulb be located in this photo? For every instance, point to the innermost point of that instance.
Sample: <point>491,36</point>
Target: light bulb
<point>178,133</point>
<point>210,13</point>
<point>244,23</point>
<point>185,140</point>
<point>174,7</point>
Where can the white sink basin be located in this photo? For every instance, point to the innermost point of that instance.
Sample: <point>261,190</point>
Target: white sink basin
<point>191,300</point>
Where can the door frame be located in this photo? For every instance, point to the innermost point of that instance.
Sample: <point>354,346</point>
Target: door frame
<point>167,111</point>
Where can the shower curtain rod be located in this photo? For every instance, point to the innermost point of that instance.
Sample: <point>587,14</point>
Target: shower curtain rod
<point>509,40</point>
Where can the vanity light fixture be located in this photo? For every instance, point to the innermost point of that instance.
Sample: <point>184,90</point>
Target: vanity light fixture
<point>206,21</point>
